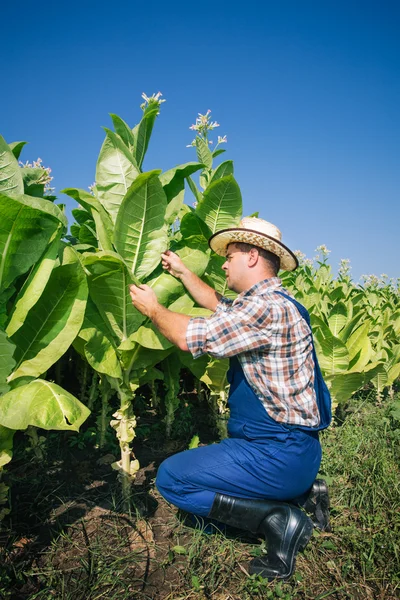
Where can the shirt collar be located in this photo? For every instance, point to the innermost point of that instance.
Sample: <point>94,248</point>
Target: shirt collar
<point>263,287</point>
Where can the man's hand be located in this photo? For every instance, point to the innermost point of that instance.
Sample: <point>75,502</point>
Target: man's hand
<point>173,264</point>
<point>144,299</point>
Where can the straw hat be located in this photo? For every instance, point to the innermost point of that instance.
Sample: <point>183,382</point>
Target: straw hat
<point>256,232</point>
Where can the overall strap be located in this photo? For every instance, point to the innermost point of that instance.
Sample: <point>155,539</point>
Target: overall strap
<point>322,392</point>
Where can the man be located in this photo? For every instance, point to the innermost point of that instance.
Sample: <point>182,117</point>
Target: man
<point>256,478</point>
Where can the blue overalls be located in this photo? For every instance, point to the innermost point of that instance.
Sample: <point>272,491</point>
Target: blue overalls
<point>261,458</point>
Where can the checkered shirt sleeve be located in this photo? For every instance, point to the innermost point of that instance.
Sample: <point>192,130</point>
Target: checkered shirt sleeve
<point>234,328</point>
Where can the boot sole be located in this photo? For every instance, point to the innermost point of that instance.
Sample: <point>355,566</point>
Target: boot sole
<point>319,512</point>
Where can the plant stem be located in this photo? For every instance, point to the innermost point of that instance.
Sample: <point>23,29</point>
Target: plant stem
<point>32,434</point>
<point>93,391</point>
<point>105,397</point>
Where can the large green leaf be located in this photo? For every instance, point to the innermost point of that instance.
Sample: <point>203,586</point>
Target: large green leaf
<point>34,285</point>
<point>357,340</point>
<point>7,362</point>
<point>215,376</point>
<point>25,232</point>
<point>104,225</point>
<point>115,172</point>
<point>173,177</point>
<point>16,148</point>
<point>100,348</point>
<point>54,321</point>
<point>11,182</point>
<point>124,131</point>
<point>204,154</point>
<point>41,404</point>
<point>109,282</point>
<point>221,205</point>
<point>142,133</point>
<point>166,287</point>
<point>225,168</point>
<point>149,336</point>
<point>33,181</point>
<point>337,318</point>
<point>193,226</point>
<point>333,357</point>
<point>173,182</point>
<point>140,235</point>
<point>194,189</point>
<point>218,276</point>
<point>344,386</point>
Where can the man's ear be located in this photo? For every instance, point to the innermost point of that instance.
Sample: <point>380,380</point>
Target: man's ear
<point>253,257</point>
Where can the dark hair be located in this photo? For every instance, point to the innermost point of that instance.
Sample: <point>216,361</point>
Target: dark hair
<point>274,262</point>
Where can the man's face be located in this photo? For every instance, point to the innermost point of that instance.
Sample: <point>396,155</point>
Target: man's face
<point>235,268</point>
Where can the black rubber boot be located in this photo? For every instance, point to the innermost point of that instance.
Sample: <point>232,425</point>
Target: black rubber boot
<point>286,529</point>
<point>317,505</point>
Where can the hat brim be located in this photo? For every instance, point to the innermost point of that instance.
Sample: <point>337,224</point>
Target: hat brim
<point>220,240</point>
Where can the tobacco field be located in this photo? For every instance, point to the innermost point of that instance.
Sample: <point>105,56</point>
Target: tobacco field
<point>93,398</point>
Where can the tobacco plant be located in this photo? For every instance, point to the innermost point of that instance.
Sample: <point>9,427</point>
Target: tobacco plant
<point>136,216</point>
<point>43,294</point>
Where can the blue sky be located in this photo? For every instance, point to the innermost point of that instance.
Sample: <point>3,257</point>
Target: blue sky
<point>308,94</point>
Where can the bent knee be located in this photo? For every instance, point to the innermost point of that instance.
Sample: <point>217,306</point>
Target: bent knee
<point>165,479</point>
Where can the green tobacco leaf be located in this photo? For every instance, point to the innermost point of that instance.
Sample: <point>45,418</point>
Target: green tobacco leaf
<point>7,361</point>
<point>173,182</point>
<point>42,404</point>
<point>100,348</point>
<point>225,168</point>
<point>54,321</point>
<point>346,332</point>
<point>11,182</point>
<point>380,380</point>
<point>6,445</point>
<point>218,277</point>
<point>344,386</point>
<point>362,358</point>
<point>109,282</point>
<point>142,133</point>
<point>194,189</point>
<point>124,131</point>
<point>32,178</point>
<point>148,336</point>
<point>218,152</point>
<point>319,327</point>
<point>104,225</point>
<point>140,235</point>
<point>34,285</point>
<point>193,226</point>
<point>166,288</point>
<point>24,235</point>
<point>196,366</point>
<point>115,171</point>
<point>16,148</point>
<point>204,155</point>
<point>174,208</point>
<point>221,205</point>
<point>169,179</point>
<point>337,318</point>
<point>334,356</point>
<point>215,376</point>
<point>358,340</point>
<point>393,374</point>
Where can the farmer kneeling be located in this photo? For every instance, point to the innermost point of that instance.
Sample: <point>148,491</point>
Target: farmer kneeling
<point>257,477</point>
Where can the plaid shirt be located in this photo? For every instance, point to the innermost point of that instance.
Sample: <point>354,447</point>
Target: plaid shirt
<point>273,344</point>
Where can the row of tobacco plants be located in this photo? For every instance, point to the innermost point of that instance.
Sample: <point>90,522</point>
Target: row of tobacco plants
<point>59,290</point>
